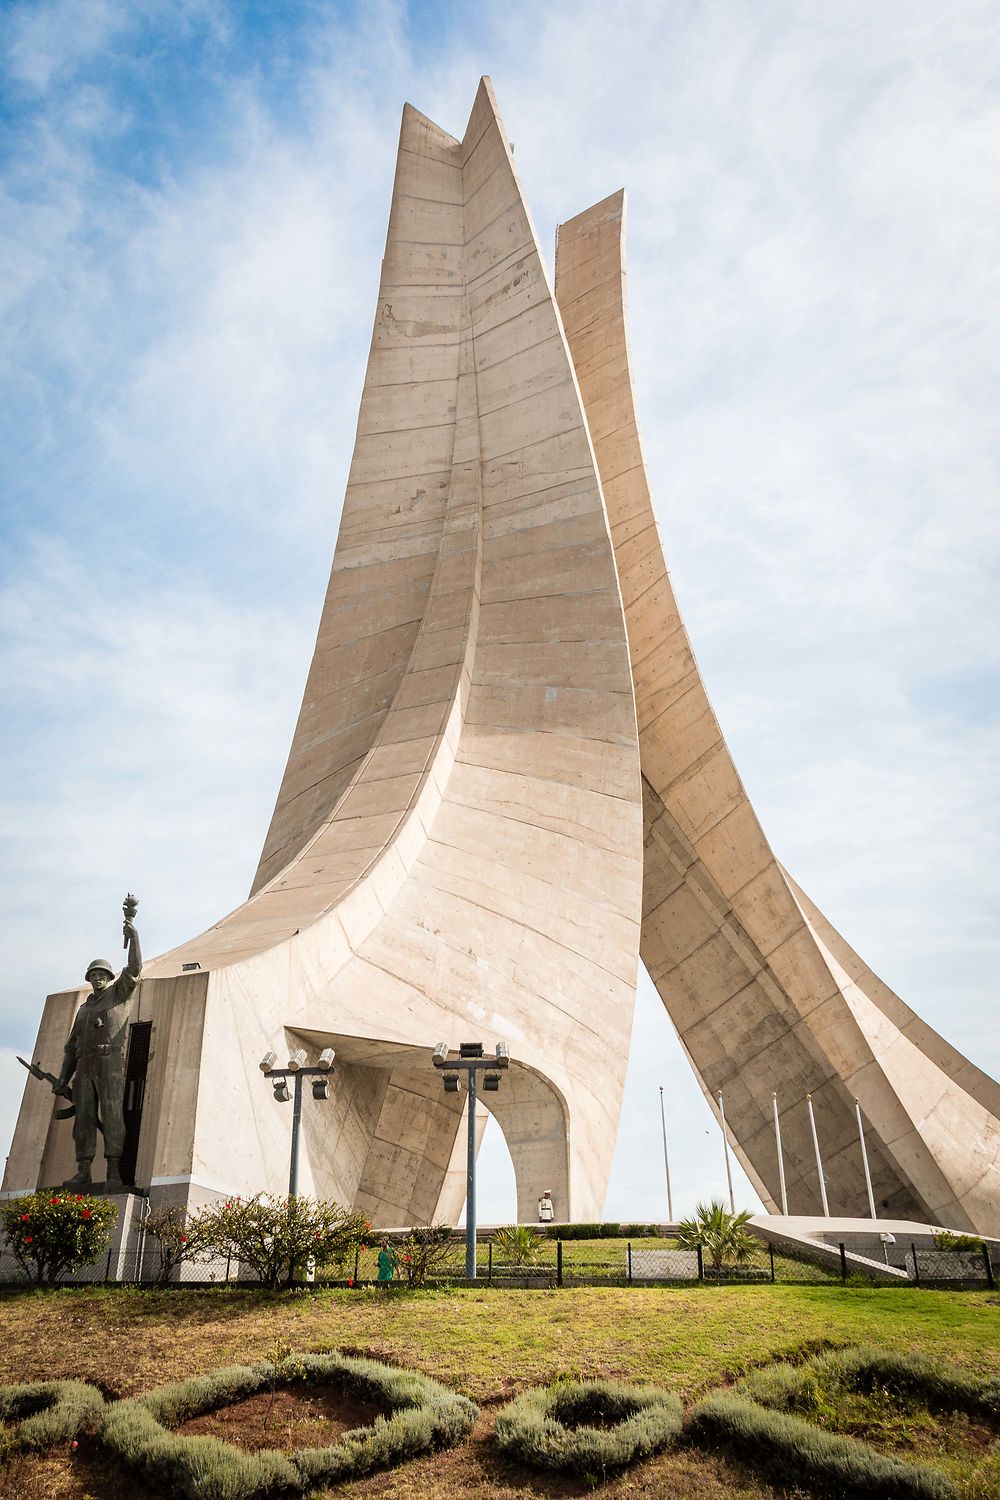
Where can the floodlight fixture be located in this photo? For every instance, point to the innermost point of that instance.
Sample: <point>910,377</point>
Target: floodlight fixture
<point>296,1060</point>
<point>326,1058</point>
<point>268,1061</point>
<point>440,1054</point>
<point>281,1091</point>
<point>470,1049</point>
<point>451,1083</point>
<point>502,1055</point>
<point>491,1082</point>
<point>321,1088</point>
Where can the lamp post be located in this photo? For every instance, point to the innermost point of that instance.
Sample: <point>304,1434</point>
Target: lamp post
<point>470,1061</point>
<point>320,1076</point>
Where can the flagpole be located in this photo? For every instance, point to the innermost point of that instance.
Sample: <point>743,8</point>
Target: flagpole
<point>666,1160</point>
<point>725,1147</point>
<point>781,1159</point>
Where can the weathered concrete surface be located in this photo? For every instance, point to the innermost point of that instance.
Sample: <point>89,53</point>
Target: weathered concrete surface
<point>764,993</point>
<point>456,847</point>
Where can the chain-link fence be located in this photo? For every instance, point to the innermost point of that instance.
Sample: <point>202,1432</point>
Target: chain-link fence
<point>554,1263</point>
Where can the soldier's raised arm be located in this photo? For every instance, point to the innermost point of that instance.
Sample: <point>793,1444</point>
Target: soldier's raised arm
<point>131,935</point>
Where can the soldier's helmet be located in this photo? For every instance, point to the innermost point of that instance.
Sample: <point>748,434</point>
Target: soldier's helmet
<point>99,963</point>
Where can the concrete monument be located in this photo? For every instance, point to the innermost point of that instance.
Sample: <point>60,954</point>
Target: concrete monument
<point>464,844</point>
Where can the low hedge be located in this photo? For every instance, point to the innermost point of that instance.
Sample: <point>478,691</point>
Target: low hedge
<point>48,1412</point>
<point>799,1388</point>
<point>583,1231</point>
<point>549,1427</point>
<point>788,1451</point>
<point>425,1415</point>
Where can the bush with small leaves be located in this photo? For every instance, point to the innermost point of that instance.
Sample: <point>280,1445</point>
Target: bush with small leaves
<point>937,1383</point>
<point>425,1247</point>
<point>791,1452</point>
<point>279,1237</point>
<point>425,1415</point>
<point>52,1234</point>
<point>48,1412</point>
<point>553,1427</point>
<point>178,1236</point>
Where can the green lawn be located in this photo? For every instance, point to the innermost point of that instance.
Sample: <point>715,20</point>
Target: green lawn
<point>487,1343</point>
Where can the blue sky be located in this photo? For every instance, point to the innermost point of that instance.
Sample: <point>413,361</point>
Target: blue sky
<point>194,197</point>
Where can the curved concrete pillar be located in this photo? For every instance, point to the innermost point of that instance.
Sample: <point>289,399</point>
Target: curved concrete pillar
<point>456,846</point>
<point>764,994</point>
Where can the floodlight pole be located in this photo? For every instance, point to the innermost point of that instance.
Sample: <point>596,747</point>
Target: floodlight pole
<point>297,1074</point>
<point>293,1161</point>
<point>471,1060</point>
<point>470,1195</point>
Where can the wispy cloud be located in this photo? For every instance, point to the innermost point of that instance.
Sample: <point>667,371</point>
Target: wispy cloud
<point>194,198</point>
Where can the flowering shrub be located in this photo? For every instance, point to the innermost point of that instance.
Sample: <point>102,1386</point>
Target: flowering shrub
<point>178,1236</point>
<point>51,1234</point>
<point>424,1247</point>
<point>279,1237</point>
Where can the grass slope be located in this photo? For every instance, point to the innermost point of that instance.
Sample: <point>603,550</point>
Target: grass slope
<point>487,1344</point>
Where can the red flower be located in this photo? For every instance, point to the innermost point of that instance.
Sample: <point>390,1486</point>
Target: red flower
<point>79,1197</point>
<point>350,1281</point>
<point>229,1205</point>
<point>54,1200</point>
<point>406,1257</point>
<point>25,1218</point>
<point>74,1444</point>
<point>184,1239</point>
<point>27,1239</point>
<point>85,1213</point>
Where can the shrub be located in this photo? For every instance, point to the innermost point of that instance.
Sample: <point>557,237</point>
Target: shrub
<point>551,1427</point>
<point>945,1240</point>
<point>424,1248</point>
<point>517,1244</point>
<point>52,1234</point>
<point>276,1237</point>
<point>936,1382</point>
<point>425,1415</point>
<point>723,1235</point>
<point>790,1452</point>
<point>48,1412</point>
<point>178,1236</point>
<point>583,1231</point>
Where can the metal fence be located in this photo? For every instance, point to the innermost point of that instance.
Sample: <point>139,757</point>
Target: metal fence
<point>560,1263</point>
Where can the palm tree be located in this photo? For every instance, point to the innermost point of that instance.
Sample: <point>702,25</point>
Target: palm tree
<point>722,1235</point>
<point>518,1244</point>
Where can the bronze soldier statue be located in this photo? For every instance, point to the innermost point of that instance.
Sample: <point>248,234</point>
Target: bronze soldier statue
<point>94,1059</point>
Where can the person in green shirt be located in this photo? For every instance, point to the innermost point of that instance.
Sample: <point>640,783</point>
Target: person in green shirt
<point>386,1263</point>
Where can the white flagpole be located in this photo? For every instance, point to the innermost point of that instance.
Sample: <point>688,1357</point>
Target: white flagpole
<point>666,1160</point>
<point>864,1158</point>
<point>781,1159</point>
<point>819,1159</point>
<point>725,1147</point>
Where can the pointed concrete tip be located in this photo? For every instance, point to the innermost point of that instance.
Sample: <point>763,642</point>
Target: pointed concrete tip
<point>612,207</point>
<point>413,116</point>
